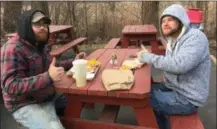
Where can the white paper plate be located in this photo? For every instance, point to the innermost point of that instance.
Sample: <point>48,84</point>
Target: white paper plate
<point>89,75</point>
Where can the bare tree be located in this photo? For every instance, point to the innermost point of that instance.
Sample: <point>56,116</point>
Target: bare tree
<point>205,14</point>
<point>103,21</point>
<point>55,12</point>
<point>41,5</point>
<point>149,12</point>
<point>200,4</point>
<point>72,16</point>
<point>96,19</point>
<point>12,11</point>
<point>0,21</point>
<point>86,18</point>
<point>113,22</point>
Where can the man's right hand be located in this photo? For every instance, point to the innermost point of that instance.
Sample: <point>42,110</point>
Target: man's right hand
<point>56,73</point>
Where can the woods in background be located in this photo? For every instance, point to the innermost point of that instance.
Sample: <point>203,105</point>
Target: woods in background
<point>102,20</point>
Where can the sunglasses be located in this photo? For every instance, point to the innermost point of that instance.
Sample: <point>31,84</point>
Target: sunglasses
<point>39,25</point>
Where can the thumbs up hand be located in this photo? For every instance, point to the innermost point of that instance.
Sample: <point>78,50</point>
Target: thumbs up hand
<point>56,73</point>
<point>140,53</point>
<point>144,48</point>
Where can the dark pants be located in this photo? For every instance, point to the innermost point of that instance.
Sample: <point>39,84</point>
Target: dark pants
<point>60,103</point>
<point>166,102</point>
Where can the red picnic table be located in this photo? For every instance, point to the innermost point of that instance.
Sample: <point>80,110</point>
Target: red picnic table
<point>55,30</point>
<point>61,34</point>
<point>94,92</point>
<point>140,32</point>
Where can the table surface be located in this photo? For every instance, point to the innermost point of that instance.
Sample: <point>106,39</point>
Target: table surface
<point>53,29</point>
<point>139,29</point>
<point>140,89</point>
<point>57,28</point>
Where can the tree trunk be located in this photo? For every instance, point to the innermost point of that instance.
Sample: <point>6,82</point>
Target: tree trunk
<point>86,19</point>
<point>205,15</point>
<point>113,22</point>
<point>55,11</point>
<point>96,20</point>
<point>12,11</point>
<point>149,13</point>
<point>73,20</point>
<point>0,22</point>
<point>41,5</point>
<point>103,21</point>
<point>200,5</point>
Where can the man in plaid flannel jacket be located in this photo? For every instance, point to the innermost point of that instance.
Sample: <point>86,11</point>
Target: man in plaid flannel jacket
<point>27,74</point>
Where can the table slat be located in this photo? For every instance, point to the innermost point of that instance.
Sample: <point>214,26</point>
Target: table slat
<point>120,56</point>
<point>139,29</point>
<point>96,87</point>
<point>57,28</point>
<point>142,84</point>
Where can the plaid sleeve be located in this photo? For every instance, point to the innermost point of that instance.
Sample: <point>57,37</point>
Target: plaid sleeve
<point>13,77</point>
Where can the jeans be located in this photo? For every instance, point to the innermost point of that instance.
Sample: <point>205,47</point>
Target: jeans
<point>42,116</point>
<point>166,102</point>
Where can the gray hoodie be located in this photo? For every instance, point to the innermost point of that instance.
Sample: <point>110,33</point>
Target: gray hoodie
<point>186,63</point>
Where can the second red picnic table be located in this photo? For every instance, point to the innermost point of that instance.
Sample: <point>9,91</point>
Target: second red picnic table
<point>55,30</point>
<point>140,32</point>
<point>60,35</point>
<point>94,91</point>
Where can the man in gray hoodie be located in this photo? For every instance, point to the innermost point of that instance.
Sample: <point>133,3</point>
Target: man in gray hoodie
<point>186,65</point>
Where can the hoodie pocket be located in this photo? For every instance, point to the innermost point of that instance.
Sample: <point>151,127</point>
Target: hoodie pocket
<point>171,79</point>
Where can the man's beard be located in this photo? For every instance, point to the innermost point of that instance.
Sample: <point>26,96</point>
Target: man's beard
<point>174,32</point>
<point>41,37</point>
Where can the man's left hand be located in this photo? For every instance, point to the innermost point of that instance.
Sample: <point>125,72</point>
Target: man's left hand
<point>81,55</point>
<point>139,54</point>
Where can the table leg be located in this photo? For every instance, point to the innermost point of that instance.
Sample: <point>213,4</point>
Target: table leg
<point>154,46</point>
<point>73,109</point>
<point>145,117</point>
<point>125,42</point>
<point>89,105</point>
<point>76,50</point>
<point>70,34</point>
<point>52,38</point>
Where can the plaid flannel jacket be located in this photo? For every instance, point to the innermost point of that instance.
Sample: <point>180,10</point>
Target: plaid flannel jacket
<point>23,70</point>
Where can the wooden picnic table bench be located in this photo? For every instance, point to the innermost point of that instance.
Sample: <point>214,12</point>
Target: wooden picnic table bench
<point>76,123</point>
<point>94,92</point>
<point>72,44</point>
<point>113,43</point>
<point>191,121</point>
